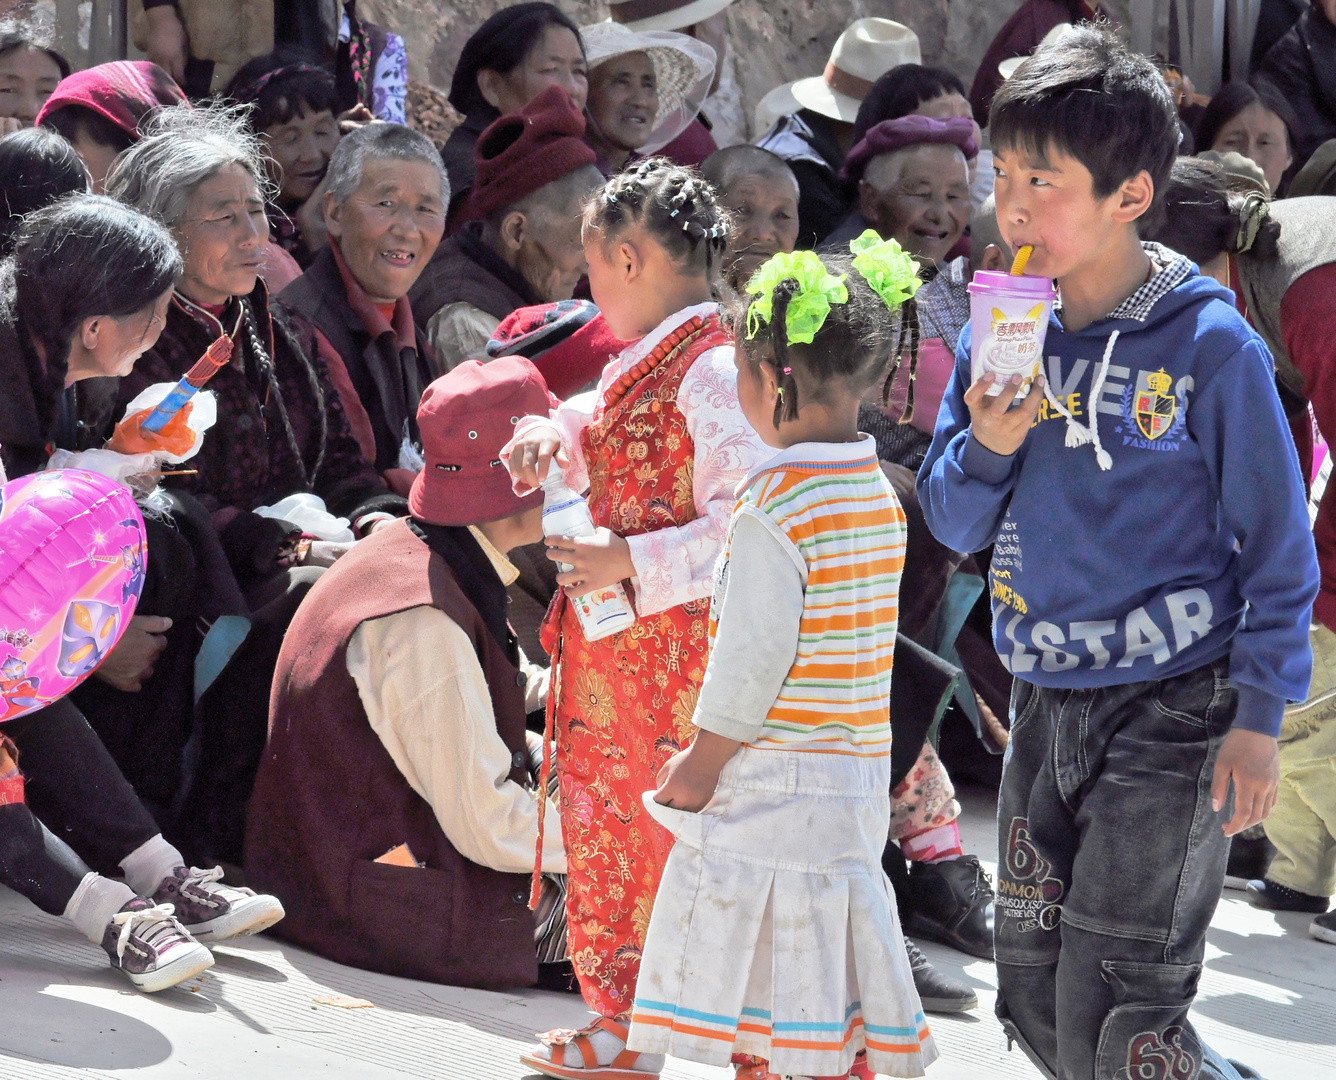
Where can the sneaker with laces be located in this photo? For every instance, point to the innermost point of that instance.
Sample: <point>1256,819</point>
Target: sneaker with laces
<point>151,948</point>
<point>212,911</point>
<point>938,993</point>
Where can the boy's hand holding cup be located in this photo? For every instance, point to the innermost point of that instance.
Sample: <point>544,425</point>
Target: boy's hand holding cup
<point>1008,322</point>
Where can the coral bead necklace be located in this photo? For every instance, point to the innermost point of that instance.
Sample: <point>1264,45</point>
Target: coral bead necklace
<point>656,356</point>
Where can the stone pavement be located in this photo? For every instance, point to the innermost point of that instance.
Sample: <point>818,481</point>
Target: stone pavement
<point>1268,997</point>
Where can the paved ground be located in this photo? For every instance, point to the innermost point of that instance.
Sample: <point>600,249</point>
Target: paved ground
<point>1268,997</point>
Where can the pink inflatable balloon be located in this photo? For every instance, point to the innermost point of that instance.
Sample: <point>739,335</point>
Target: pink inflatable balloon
<point>72,550</point>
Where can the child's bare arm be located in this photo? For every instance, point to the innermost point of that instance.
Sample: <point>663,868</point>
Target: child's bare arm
<point>688,780</point>
<point>1252,761</point>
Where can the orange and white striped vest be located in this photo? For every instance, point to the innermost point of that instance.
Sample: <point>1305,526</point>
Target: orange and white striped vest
<point>849,530</point>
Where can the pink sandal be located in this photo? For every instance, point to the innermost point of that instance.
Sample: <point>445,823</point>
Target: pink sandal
<point>620,1068</point>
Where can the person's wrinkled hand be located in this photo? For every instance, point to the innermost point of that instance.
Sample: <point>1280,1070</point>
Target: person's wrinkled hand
<point>325,553</point>
<point>166,43</point>
<point>532,456</point>
<point>902,481</point>
<point>352,119</point>
<point>310,217</point>
<point>597,562</point>
<point>130,664</point>
<point>1252,761</point>
<point>994,423</point>
<point>10,124</point>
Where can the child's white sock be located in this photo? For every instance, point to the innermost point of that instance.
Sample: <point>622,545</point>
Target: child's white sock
<point>93,904</point>
<point>149,863</point>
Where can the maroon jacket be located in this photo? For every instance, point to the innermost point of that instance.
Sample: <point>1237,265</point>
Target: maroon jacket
<point>329,799</point>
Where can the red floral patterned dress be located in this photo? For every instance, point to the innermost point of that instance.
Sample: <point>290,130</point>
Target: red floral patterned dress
<point>622,706</point>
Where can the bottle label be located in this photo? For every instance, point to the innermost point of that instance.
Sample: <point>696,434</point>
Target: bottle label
<point>560,507</point>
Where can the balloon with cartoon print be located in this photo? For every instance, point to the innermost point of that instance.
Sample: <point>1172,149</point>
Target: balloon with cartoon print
<point>72,557</point>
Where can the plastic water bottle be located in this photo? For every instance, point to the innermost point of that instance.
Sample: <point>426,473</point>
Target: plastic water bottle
<point>603,611</point>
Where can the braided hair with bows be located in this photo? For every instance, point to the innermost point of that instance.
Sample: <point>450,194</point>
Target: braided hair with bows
<point>673,204</point>
<point>860,341</point>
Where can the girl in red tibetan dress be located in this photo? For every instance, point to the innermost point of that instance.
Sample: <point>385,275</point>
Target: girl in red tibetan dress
<point>662,444</point>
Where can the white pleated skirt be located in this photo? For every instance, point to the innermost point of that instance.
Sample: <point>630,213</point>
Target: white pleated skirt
<point>774,931</point>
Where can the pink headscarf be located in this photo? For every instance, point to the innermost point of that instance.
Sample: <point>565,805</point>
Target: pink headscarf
<point>126,92</point>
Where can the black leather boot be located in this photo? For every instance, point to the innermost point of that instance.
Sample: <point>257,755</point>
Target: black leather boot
<point>952,902</point>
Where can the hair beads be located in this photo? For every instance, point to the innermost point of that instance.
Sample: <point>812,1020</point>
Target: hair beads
<point>672,203</point>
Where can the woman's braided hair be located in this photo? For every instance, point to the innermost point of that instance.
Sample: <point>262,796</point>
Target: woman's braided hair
<point>673,204</point>
<point>860,342</point>
<point>264,363</point>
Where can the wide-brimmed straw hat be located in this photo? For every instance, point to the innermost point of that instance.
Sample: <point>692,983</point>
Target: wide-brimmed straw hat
<point>683,69</point>
<point>663,14</point>
<point>862,54</point>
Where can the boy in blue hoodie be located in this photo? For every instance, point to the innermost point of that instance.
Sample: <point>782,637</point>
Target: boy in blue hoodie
<point>1142,502</point>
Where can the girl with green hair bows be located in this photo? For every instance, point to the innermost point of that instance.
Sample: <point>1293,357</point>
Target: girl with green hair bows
<point>799,290</point>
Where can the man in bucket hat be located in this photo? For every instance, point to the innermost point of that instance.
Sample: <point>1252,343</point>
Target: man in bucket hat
<point>393,805</point>
<point>810,122</point>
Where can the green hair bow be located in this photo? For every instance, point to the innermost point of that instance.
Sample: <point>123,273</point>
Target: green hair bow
<point>887,267</point>
<point>818,290</point>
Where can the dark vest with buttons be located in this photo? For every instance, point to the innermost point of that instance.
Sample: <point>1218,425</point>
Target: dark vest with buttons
<point>329,799</point>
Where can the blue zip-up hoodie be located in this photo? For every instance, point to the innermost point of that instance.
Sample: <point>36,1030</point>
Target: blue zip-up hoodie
<point>1195,542</point>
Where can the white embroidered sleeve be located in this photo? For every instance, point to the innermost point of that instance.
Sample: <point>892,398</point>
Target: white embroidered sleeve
<point>674,566</point>
<point>569,418</point>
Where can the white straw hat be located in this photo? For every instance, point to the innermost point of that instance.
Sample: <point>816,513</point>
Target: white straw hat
<point>683,69</point>
<point>663,14</point>
<point>1007,68</point>
<point>862,54</point>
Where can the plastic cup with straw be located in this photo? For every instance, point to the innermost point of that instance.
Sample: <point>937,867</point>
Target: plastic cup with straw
<point>1009,315</point>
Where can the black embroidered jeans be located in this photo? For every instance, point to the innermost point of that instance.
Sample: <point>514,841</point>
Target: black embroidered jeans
<point>1110,865</point>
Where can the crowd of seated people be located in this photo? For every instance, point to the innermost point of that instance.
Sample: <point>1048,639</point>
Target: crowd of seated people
<point>334,685</point>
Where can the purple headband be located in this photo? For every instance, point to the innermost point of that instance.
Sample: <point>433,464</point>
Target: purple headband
<point>909,131</point>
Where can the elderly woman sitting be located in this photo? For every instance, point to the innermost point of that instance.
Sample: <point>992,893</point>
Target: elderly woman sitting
<point>385,213</point>
<point>281,428</point>
<point>913,186</point>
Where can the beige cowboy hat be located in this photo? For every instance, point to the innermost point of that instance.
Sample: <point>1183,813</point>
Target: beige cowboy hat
<point>862,54</point>
<point>683,68</point>
<point>1007,68</point>
<point>663,14</point>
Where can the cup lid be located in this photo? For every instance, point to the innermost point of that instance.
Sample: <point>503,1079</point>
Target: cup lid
<point>996,281</point>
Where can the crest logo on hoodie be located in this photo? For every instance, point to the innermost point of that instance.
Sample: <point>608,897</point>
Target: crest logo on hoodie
<point>1154,405</point>
<point>1153,416</point>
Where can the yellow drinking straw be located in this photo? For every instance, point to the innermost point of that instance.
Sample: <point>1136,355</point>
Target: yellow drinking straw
<point>1022,257</point>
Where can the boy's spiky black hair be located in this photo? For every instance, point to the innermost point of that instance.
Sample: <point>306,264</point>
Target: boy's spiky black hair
<point>1088,96</point>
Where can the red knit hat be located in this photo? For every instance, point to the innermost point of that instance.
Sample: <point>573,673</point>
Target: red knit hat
<point>526,150</point>
<point>464,418</point>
